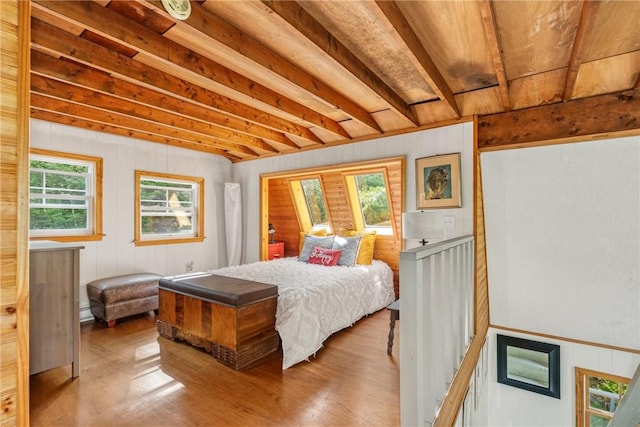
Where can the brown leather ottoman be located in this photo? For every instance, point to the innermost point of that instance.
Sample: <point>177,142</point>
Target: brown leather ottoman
<point>116,297</point>
<point>233,319</point>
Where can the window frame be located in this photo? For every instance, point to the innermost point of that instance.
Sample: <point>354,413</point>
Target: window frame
<point>583,408</point>
<point>396,171</point>
<point>164,239</point>
<point>301,206</point>
<point>94,211</point>
<point>355,207</point>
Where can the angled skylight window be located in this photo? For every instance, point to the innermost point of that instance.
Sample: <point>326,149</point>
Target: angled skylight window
<point>370,203</point>
<point>311,206</point>
<point>314,197</point>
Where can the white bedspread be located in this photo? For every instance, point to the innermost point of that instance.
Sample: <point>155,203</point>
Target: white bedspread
<point>315,301</point>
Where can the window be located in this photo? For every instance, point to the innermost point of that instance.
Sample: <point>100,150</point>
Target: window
<point>169,209</point>
<point>310,203</point>
<point>65,196</point>
<point>370,203</point>
<point>314,197</point>
<point>597,397</point>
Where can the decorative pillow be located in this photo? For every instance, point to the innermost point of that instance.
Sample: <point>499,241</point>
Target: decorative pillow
<point>365,253</point>
<point>311,242</point>
<point>324,256</point>
<point>321,232</point>
<point>349,247</point>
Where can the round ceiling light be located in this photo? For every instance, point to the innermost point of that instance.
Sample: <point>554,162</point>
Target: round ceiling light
<point>179,9</point>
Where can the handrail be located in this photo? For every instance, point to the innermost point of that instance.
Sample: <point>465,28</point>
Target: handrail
<point>433,248</point>
<point>436,289</point>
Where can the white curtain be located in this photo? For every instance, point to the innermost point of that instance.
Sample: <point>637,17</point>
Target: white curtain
<point>233,222</point>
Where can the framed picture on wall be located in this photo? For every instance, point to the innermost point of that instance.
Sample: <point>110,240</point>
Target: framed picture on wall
<point>529,365</point>
<point>438,182</point>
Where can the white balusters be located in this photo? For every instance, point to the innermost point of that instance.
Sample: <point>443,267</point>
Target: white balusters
<point>436,326</point>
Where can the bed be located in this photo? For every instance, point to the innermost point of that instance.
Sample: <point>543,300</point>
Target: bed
<point>315,301</point>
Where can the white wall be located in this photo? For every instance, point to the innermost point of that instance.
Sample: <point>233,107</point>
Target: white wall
<point>116,254</point>
<point>450,139</point>
<point>510,406</point>
<point>563,239</point>
<point>563,253</point>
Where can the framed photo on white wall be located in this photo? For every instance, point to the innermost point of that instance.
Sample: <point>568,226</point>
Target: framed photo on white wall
<point>438,182</point>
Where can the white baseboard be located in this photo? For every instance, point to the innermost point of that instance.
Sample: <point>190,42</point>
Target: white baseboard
<point>85,314</point>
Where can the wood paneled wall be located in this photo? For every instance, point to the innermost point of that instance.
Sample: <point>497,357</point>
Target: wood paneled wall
<point>281,211</point>
<point>455,397</point>
<point>14,168</point>
<point>282,214</point>
<point>482,281</point>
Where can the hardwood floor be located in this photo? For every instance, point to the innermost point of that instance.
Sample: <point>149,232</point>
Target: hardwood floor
<point>131,377</point>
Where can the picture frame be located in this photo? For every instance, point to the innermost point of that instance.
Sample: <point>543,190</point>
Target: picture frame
<point>529,365</point>
<point>438,182</point>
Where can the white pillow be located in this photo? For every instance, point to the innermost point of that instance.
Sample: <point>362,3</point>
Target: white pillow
<point>349,247</point>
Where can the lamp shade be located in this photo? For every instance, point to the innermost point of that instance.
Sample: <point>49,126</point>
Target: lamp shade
<point>421,225</point>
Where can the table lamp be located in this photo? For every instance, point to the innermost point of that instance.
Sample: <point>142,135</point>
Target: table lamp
<point>419,225</point>
<point>272,233</point>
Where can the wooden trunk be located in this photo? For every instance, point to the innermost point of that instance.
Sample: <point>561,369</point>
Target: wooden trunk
<point>233,319</point>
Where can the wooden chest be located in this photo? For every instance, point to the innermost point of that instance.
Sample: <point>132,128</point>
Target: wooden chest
<point>233,319</point>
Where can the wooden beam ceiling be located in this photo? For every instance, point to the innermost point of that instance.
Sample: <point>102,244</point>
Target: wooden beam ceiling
<point>250,79</point>
<point>596,117</point>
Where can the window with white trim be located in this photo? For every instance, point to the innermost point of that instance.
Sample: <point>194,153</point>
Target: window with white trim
<point>169,208</point>
<point>65,196</point>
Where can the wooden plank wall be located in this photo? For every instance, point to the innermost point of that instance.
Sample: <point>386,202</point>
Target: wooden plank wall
<point>14,264</point>
<point>455,397</point>
<point>482,281</point>
<point>282,213</point>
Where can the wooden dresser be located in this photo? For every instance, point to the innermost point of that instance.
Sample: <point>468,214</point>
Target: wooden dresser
<point>54,306</point>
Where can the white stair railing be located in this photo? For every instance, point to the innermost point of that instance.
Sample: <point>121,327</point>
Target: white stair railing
<point>436,324</point>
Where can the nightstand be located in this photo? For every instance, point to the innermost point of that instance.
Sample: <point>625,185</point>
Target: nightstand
<point>276,250</point>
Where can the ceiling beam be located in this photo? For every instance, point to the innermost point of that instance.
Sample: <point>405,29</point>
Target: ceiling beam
<point>78,95</point>
<point>172,56</point>
<point>88,78</point>
<point>305,24</point>
<point>60,43</point>
<point>493,43</point>
<point>55,117</point>
<point>209,26</point>
<point>400,29</point>
<point>585,27</point>
<point>63,106</point>
<point>595,117</point>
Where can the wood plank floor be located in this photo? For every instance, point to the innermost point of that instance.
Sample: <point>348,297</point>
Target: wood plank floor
<point>131,377</point>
